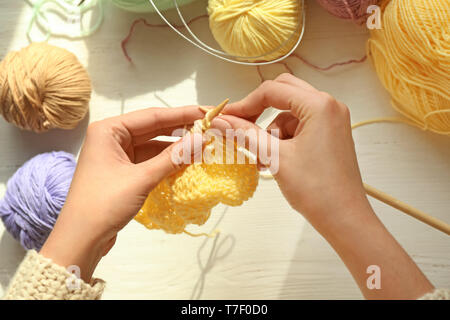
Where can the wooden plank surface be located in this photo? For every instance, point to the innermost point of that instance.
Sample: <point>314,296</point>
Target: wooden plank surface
<point>265,249</point>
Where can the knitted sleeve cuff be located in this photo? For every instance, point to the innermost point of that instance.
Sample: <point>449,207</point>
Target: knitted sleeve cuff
<point>38,278</point>
<point>438,294</point>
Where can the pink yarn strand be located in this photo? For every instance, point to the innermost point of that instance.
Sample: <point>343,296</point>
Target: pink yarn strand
<point>332,66</point>
<point>309,64</point>
<point>150,25</point>
<point>284,64</point>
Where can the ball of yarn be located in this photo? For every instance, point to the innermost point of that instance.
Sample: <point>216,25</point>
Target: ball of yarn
<point>411,55</point>
<point>256,30</point>
<point>35,195</point>
<point>355,10</point>
<point>43,87</point>
<point>145,6</point>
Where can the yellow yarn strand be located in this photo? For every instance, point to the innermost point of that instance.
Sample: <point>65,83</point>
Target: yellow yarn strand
<point>197,235</point>
<point>256,30</point>
<point>188,196</point>
<point>411,54</point>
<point>268,176</point>
<point>382,120</point>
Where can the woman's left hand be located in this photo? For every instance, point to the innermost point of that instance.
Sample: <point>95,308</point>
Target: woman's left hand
<point>118,166</point>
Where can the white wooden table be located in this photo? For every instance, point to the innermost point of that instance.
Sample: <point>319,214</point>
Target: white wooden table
<point>265,250</point>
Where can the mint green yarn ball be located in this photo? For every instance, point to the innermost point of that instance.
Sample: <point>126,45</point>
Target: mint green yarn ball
<point>145,6</point>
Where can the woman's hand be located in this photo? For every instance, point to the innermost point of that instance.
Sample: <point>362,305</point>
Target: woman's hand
<point>118,166</point>
<point>319,175</point>
<point>318,172</point>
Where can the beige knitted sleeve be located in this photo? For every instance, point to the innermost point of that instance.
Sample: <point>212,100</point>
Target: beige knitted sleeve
<point>438,294</point>
<point>38,278</point>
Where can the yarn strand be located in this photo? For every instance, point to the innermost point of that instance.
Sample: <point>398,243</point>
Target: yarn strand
<point>150,25</point>
<point>67,8</point>
<point>383,120</point>
<point>327,68</point>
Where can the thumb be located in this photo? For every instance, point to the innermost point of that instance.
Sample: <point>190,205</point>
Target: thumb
<point>263,145</point>
<point>173,158</point>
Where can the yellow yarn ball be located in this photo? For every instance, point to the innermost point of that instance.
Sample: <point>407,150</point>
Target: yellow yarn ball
<point>411,54</point>
<point>256,30</point>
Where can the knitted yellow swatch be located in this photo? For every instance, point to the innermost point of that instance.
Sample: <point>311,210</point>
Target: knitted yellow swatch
<point>188,196</point>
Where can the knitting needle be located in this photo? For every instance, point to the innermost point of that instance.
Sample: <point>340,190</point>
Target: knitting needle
<point>406,208</point>
<point>222,105</point>
<point>212,113</point>
<point>215,112</point>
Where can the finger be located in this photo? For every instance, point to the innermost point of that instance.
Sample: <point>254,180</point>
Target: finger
<point>145,122</point>
<point>171,159</point>
<point>272,94</point>
<point>251,137</point>
<point>294,81</point>
<point>286,124</point>
<point>149,149</point>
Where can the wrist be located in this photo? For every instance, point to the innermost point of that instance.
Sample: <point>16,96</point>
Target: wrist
<point>73,242</point>
<point>362,241</point>
<point>345,219</point>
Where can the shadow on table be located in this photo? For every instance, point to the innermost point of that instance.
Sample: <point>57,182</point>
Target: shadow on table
<point>22,145</point>
<point>160,58</point>
<point>9,19</point>
<point>11,254</point>
<point>316,272</point>
<point>220,247</point>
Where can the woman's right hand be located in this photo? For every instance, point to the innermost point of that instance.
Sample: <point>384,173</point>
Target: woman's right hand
<point>319,175</point>
<point>318,171</point>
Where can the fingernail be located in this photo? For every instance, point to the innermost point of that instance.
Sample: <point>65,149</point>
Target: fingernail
<point>220,124</point>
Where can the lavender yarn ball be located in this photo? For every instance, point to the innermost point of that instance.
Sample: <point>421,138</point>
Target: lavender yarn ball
<point>35,195</point>
<point>355,10</point>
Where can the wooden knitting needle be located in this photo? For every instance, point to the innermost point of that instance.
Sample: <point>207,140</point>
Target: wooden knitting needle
<point>215,112</point>
<point>212,113</point>
<point>406,208</point>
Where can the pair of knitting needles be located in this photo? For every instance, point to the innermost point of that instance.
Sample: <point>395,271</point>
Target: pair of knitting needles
<point>371,191</point>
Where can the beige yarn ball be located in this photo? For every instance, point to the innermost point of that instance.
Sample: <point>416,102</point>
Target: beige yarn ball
<point>43,87</point>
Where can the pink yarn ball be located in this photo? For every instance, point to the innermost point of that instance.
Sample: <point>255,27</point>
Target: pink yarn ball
<point>355,10</point>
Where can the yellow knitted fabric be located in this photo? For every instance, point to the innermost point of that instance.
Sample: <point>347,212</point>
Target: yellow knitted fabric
<point>188,196</point>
